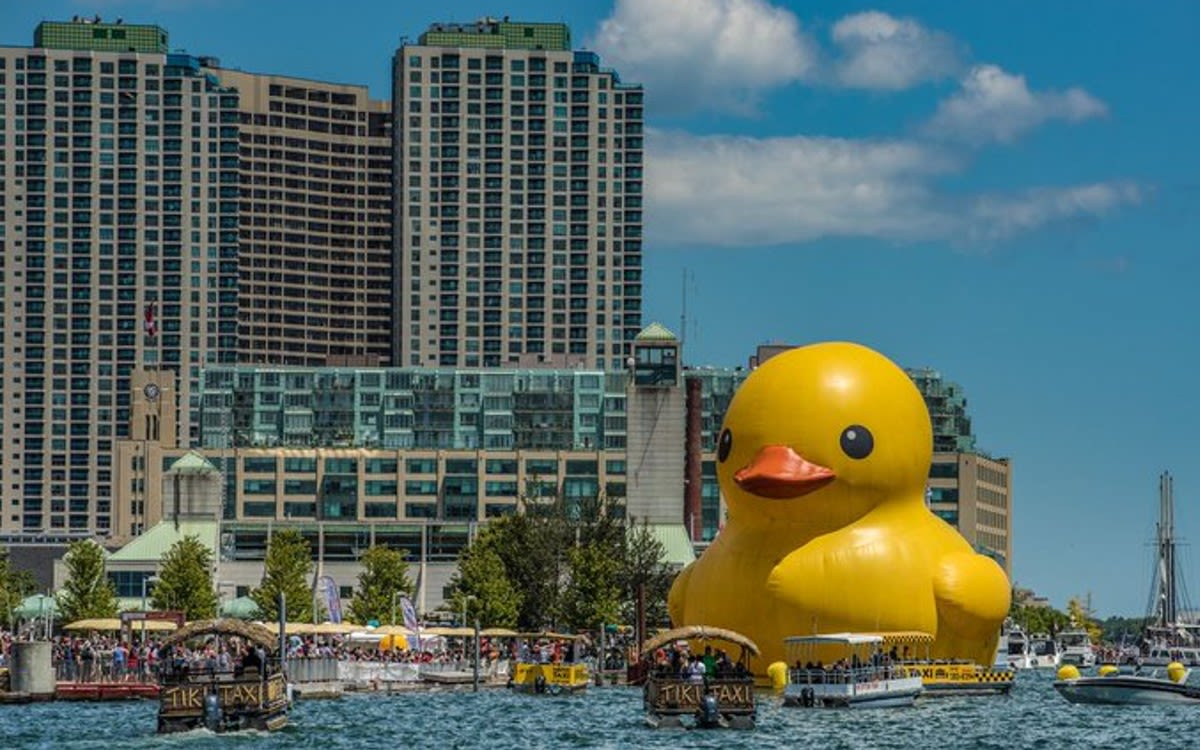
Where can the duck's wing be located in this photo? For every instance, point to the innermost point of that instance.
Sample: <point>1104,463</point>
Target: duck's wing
<point>973,596</point>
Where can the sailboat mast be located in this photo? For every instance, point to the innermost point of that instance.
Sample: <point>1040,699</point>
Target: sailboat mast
<point>1166,549</point>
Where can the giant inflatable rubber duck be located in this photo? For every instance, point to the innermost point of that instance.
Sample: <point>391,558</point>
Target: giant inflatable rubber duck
<point>823,460</point>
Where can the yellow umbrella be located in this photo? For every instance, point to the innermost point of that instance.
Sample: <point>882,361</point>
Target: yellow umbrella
<point>498,633</point>
<point>95,623</point>
<point>394,642</point>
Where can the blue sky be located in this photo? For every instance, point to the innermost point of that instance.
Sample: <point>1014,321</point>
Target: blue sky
<point>1006,192</point>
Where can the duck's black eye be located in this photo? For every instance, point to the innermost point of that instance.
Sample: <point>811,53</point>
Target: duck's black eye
<point>857,441</point>
<point>724,445</point>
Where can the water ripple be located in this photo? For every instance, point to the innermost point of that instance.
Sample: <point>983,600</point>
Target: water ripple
<point>1032,717</point>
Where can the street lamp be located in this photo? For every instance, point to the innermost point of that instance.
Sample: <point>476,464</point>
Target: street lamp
<point>148,579</point>
<point>467,598</point>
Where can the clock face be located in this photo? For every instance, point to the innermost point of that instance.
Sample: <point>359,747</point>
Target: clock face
<point>151,391</point>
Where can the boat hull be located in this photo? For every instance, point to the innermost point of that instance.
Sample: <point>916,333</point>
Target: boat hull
<point>1126,690</point>
<point>549,679</point>
<point>224,705</point>
<point>884,693</point>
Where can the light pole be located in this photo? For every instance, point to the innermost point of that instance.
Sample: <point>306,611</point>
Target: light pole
<point>148,579</point>
<point>394,594</point>
<point>467,598</point>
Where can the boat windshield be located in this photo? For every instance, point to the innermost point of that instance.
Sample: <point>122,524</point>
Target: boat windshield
<point>1043,647</point>
<point>1016,648</point>
<point>1075,640</point>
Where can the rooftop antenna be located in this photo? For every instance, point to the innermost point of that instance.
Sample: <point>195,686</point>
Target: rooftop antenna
<point>683,311</point>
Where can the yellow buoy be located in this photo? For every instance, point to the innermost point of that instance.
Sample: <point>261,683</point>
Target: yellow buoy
<point>1068,672</point>
<point>1176,671</point>
<point>1107,670</point>
<point>778,672</point>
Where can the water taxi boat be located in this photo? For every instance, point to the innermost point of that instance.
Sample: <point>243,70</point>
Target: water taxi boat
<point>1112,687</point>
<point>253,695</point>
<point>849,670</point>
<point>945,676</point>
<point>550,666</point>
<point>675,693</point>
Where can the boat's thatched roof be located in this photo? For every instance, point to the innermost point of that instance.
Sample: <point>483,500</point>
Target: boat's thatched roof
<point>226,626</point>
<point>700,633</point>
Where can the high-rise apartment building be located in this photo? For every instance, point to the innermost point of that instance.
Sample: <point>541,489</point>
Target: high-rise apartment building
<point>160,214</point>
<point>118,251</point>
<point>314,221</point>
<point>518,200</point>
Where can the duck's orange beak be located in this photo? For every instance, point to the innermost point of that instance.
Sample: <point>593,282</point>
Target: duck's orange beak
<point>781,473</point>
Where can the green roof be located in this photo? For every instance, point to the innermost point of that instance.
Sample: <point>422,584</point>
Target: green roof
<point>153,544</point>
<point>656,332</point>
<point>488,32</point>
<point>192,463</point>
<point>677,545</point>
<point>101,37</point>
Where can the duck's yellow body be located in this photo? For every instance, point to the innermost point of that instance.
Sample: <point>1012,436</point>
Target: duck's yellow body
<point>823,460</point>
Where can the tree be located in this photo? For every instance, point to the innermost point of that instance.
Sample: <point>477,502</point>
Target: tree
<point>87,591</point>
<point>185,580</point>
<point>383,579</point>
<point>593,595</point>
<point>15,585</point>
<point>644,569</point>
<point>482,584</point>
<point>1081,617</point>
<point>530,547</point>
<point>286,569</point>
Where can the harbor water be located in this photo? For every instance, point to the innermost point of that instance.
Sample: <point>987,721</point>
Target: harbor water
<point>1033,716</point>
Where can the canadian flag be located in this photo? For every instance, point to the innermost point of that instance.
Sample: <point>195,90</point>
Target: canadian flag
<point>151,324</point>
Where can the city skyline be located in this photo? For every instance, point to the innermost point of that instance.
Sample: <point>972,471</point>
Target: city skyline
<point>1009,206</point>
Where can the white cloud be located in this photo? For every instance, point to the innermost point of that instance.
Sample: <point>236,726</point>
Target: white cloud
<point>737,191</point>
<point>880,51</point>
<point>994,217</point>
<point>716,54</point>
<point>997,106</point>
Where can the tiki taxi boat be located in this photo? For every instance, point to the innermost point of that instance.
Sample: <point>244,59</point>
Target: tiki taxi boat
<point>251,696</point>
<point>1146,687</point>
<point>847,670</point>
<point>678,693</point>
<point>549,665</point>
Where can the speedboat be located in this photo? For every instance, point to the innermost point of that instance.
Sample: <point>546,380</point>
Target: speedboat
<point>1077,648</point>
<point>1112,687</point>
<point>1044,652</point>
<point>846,670</point>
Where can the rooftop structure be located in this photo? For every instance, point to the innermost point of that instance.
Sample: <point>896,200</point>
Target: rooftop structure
<point>502,34</point>
<point>96,35</point>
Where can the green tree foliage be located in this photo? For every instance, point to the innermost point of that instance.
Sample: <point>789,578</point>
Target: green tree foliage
<point>287,569</point>
<point>531,549</point>
<point>644,569</point>
<point>15,585</point>
<point>482,584</point>
<point>1123,630</point>
<point>593,593</point>
<point>383,580</point>
<point>185,580</point>
<point>569,564</point>
<point>87,591</point>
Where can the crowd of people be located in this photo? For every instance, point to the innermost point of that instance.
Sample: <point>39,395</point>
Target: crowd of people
<point>106,657</point>
<point>678,660</point>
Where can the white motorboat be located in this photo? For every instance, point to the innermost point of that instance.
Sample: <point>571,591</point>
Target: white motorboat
<point>1019,656</point>
<point>846,670</point>
<point>1044,652</point>
<point>1143,688</point>
<point>1077,648</point>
